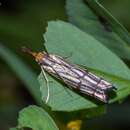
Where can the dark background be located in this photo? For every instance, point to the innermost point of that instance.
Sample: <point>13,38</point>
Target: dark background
<point>23,22</point>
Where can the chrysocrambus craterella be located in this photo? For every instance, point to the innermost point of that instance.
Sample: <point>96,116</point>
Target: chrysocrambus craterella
<point>72,75</point>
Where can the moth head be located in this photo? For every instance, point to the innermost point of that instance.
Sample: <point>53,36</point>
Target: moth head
<point>37,55</point>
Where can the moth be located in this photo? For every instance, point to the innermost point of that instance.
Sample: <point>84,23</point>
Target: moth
<point>72,75</point>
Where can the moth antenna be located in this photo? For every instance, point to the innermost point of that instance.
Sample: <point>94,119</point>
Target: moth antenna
<point>26,50</point>
<point>29,51</point>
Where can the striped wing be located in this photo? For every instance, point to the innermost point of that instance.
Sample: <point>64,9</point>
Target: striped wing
<point>77,78</point>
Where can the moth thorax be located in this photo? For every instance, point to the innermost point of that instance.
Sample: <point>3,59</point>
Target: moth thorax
<point>39,57</point>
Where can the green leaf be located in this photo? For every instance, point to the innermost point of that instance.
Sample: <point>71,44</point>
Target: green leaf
<point>22,71</point>
<point>95,20</point>
<point>35,118</point>
<point>64,39</point>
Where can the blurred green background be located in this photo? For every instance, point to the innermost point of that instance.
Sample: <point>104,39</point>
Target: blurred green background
<point>23,23</point>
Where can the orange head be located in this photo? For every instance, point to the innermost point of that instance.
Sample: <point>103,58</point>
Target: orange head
<point>37,55</point>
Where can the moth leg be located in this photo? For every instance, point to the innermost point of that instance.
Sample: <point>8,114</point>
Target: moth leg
<point>47,84</point>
